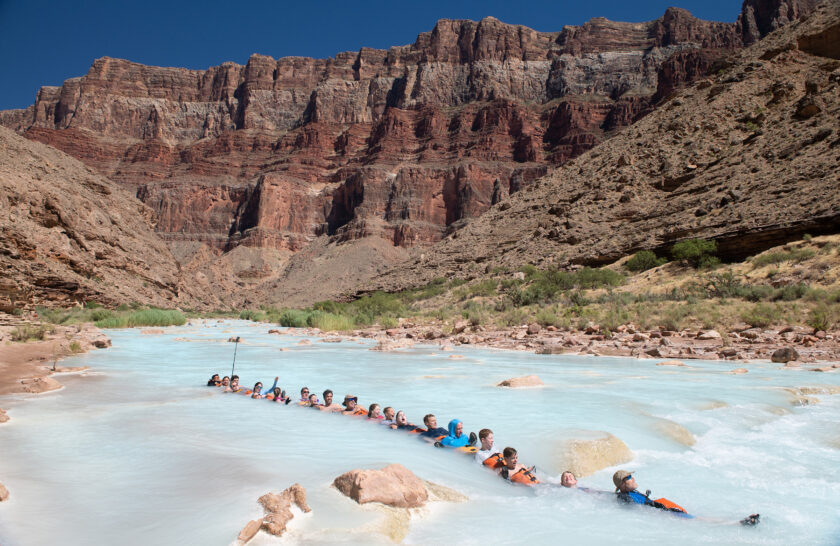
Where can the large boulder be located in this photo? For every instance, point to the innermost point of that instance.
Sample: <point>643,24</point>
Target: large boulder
<point>394,485</point>
<point>278,512</point>
<point>590,452</point>
<point>785,354</point>
<point>524,381</point>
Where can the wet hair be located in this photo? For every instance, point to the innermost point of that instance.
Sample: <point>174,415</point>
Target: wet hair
<point>304,389</point>
<point>386,408</point>
<point>567,472</point>
<point>234,377</point>
<point>508,452</point>
<point>484,433</point>
<point>326,392</point>
<point>370,410</point>
<point>401,412</point>
<point>427,417</point>
<point>225,377</point>
<point>277,391</point>
<point>214,376</point>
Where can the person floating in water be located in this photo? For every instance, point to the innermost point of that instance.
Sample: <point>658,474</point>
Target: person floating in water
<point>280,396</point>
<point>234,385</point>
<point>304,395</point>
<point>225,382</point>
<point>375,413</point>
<point>485,436</point>
<point>388,414</point>
<point>401,422</point>
<point>515,471</point>
<point>456,437</point>
<point>214,381</point>
<point>351,407</point>
<point>626,491</point>
<point>433,431</point>
<point>328,404</point>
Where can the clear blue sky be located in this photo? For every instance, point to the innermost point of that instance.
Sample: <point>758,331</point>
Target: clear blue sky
<point>45,42</point>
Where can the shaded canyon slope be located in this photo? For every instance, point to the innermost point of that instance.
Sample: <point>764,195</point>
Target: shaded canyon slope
<point>69,235</point>
<point>749,157</point>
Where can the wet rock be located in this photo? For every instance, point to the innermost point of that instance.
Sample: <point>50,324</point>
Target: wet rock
<point>534,328</point>
<point>275,331</point>
<point>3,417</point>
<point>671,363</point>
<point>551,350</point>
<point>102,343</point>
<point>785,354</point>
<point>304,342</point>
<point>793,364</point>
<point>591,452</point>
<point>393,485</point>
<point>278,506</point>
<point>4,493</point>
<point>460,326</point>
<point>524,381</point>
<point>153,331</point>
<point>676,432</point>
<point>738,371</point>
<point>249,531</point>
<point>442,493</point>
<point>40,384</point>
<point>821,389</point>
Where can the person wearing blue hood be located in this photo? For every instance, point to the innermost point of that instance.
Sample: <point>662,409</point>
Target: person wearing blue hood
<point>456,437</point>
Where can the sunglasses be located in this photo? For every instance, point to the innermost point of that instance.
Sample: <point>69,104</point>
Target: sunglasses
<point>630,477</point>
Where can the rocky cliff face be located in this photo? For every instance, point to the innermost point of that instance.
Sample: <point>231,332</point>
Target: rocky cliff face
<point>397,144</point>
<point>748,157</point>
<point>69,235</point>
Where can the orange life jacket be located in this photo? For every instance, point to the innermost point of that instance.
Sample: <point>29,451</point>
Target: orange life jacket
<point>495,461</point>
<point>524,477</point>
<point>671,505</point>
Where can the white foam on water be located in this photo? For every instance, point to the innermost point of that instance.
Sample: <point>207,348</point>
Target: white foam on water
<point>141,453</point>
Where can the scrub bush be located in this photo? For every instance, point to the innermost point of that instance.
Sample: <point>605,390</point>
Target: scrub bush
<point>795,255</point>
<point>143,317</point>
<point>697,252</point>
<point>644,260</point>
<point>822,317</point>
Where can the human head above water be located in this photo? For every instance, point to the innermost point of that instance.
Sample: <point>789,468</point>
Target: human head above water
<point>373,411</point>
<point>349,401</point>
<point>388,412</point>
<point>624,481</point>
<point>226,381</point>
<point>401,419</point>
<point>258,386</point>
<point>486,437</point>
<point>567,479</point>
<point>313,399</point>
<point>430,421</point>
<point>328,396</point>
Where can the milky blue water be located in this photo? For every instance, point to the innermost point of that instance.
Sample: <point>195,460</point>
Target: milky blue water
<point>139,452</point>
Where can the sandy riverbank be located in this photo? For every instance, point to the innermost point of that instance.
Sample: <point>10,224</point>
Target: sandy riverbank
<point>28,366</point>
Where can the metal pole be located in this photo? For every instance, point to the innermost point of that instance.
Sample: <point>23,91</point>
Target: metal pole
<point>235,346</point>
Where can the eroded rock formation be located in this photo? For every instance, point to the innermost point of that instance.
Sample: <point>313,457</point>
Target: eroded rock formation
<point>394,485</point>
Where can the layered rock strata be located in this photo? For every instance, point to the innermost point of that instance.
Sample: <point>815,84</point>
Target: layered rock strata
<point>397,144</point>
<point>747,158</point>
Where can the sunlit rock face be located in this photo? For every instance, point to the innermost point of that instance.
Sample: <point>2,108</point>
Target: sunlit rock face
<point>397,144</point>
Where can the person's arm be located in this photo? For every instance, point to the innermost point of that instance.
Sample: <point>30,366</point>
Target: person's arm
<point>271,390</point>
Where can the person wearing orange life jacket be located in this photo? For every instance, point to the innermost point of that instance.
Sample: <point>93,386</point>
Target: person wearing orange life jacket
<point>432,432</point>
<point>401,422</point>
<point>234,385</point>
<point>351,407</point>
<point>514,471</point>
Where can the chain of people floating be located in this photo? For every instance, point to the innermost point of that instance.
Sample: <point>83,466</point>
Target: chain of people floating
<point>504,462</point>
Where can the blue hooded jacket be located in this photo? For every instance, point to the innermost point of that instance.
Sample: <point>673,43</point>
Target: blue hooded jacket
<point>451,440</point>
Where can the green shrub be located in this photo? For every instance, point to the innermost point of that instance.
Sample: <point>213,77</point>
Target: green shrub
<point>762,315</point>
<point>329,322</point>
<point>294,318</point>
<point>143,317</point>
<point>822,317</point>
<point>31,332</point>
<point>75,347</point>
<point>252,315</point>
<point>388,322</point>
<point>546,317</point>
<point>100,314</point>
<point>697,252</point>
<point>794,255</point>
<point>644,260</point>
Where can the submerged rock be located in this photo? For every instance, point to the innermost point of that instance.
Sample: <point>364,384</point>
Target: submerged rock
<point>249,531</point>
<point>524,381</point>
<point>3,417</point>
<point>394,485</point>
<point>671,363</point>
<point>442,493</point>
<point>675,431</point>
<point>587,455</point>
<point>152,331</point>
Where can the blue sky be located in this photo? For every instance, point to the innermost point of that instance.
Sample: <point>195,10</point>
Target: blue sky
<point>45,42</point>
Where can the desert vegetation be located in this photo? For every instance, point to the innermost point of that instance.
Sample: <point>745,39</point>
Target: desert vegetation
<point>124,316</point>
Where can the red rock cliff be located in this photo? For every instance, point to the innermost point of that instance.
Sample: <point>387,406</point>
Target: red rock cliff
<point>398,143</point>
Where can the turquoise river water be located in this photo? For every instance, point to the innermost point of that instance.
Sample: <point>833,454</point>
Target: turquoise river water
<point>137,451</point>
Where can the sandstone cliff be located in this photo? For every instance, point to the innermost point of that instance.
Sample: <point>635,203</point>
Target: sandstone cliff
<point>69,235</point>
<point>396,144</point>
<point>748,157</point>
